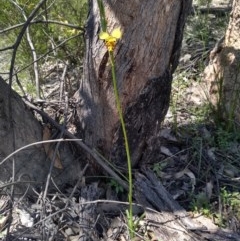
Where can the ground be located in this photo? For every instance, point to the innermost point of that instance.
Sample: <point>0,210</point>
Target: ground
<point>204,155</point>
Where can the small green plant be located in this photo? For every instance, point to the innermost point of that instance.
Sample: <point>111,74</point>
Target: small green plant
<point>230,204</point>
<point>230,199</point>
<point>110,40</point>
<point>158,167</point>
<point>200,203</point>
<point>225,138</point>
<point>116,186</point>
<point>179,86</point>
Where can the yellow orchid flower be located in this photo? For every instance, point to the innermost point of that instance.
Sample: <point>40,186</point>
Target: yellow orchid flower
<point>111,39</point>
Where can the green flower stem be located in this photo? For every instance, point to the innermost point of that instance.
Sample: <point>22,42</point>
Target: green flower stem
<point>119,109</point>
<point>102,15</point>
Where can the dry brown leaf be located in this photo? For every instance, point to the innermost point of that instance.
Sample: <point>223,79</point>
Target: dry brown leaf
<point>167,134</point>
<point>230,170</point>
<point>211,153</point>
<point>74,238</point>
<point>190,174</point>
<point>3,220</point>
<point>164,150</point>
<point>49,150</point>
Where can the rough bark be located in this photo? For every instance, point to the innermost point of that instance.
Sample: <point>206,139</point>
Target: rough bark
<point>145,58</point>
<point>31,164</point>
<point>222,74</point>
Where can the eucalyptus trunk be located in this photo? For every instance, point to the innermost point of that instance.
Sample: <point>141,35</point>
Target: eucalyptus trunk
<point>146,57</point>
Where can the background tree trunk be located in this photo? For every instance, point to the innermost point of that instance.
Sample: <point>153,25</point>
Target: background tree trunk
<point>222,74</point>
<point>145,57</point>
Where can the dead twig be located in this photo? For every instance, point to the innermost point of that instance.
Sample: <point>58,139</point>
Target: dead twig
<point>42,56</point>
<point>33,50</point>
<point>49,21</point>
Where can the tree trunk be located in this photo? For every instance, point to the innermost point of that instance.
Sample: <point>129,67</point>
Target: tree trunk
<point>146,57</point>
<point>222,74</point>
<point>31,164</point>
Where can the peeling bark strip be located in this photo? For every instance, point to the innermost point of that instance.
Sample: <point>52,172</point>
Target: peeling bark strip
<point>145,58</point>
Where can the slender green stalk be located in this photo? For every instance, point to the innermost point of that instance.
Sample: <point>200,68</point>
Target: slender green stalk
<point>110,41</point>
<point>130,194</point>
<point>102,15</point>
